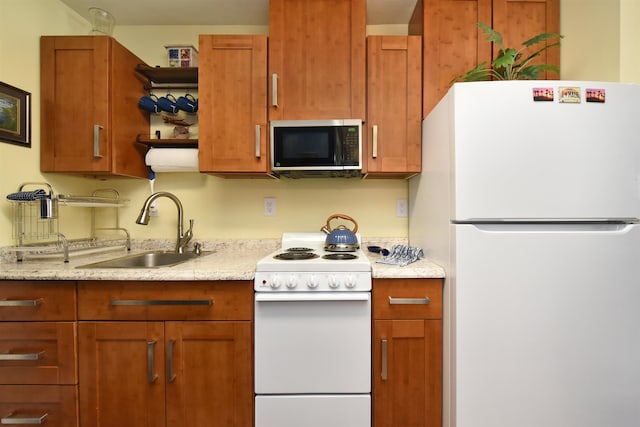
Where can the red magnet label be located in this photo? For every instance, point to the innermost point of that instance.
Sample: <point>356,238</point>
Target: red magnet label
<point>543,94</point>
<point>595,95</point>
<point>570,95</point>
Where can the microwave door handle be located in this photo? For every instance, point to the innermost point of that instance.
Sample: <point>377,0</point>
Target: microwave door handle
<point>257,141</point>
<point>274,90</point>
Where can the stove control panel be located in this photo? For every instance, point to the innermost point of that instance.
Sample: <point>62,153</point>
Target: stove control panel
<point>312,282</point>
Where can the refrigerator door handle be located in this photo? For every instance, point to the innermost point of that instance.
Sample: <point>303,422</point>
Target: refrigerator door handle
<point>555,227</point>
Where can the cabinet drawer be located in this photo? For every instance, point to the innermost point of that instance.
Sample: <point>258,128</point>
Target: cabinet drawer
<point>407,298</point>
<point>50,405</point>
<point>25,300</point>
<point>220,300</point>
<point>38,353</point>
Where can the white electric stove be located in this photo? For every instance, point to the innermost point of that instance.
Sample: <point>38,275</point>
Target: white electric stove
<point>312,336</point>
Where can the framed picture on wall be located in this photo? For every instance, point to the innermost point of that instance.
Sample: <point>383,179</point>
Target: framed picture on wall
<point>15,115</point>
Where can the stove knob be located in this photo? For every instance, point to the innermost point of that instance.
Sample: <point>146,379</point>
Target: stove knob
<point>275,282</point>
<point>312,283</point>
<point>351,282</point>
<point>333,282</point>
<point>292,283</point>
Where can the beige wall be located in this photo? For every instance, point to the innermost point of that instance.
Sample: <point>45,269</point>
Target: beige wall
<point>233,208</point>
<point>591,44</point>
<point>629,46</point>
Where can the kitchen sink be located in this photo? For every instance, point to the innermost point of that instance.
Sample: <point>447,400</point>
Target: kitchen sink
<point>151,259</point>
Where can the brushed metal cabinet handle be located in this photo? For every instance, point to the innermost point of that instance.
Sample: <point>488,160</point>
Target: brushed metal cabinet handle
<point>96,141</point>
<point>21,356</point>
<point>151,361</point>
<point>10,419</point>
<point>21,303</point>
<point>384,361</point>
<point>187,302</point>
<point>274,90</point>
<point>409,301</point>
<point>171,376</point>
<point>375,141</point>
<point>257,141</point>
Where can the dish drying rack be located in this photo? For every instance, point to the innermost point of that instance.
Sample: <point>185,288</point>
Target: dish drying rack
<point>36,225</point>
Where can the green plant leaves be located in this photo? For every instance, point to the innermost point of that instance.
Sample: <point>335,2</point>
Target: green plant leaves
<point>540,38</point>
<point>509,63</point>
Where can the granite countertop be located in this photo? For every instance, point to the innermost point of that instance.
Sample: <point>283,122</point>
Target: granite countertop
<point>220,261</point>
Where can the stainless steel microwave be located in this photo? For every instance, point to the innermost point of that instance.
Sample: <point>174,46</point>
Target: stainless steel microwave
<point>316,147</point>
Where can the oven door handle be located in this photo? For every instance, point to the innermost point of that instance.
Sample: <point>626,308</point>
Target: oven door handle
<point>312,296</point>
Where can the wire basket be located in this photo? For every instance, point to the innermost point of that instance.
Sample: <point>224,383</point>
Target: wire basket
<point>29,224</point>
<point>35,220</point>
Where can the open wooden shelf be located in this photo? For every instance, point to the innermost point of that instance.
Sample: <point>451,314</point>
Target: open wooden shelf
<point>167,142</point>
<point>169,74</point>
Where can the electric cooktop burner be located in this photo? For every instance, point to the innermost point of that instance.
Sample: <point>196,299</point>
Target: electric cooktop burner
<point>299,250</point>
<point>340,256</point>
<point>295,255</point>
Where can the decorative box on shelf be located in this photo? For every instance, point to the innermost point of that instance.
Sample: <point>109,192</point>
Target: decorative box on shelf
<point>182,55</point>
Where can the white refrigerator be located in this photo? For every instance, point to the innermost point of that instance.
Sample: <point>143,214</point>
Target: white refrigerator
<point>529,196</point>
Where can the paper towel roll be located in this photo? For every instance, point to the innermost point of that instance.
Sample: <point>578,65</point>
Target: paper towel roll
<point>172,159</point>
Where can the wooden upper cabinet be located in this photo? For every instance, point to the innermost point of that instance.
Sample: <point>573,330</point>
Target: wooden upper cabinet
<point>394,105</point>
<point>317,59</point>
<point>232,89</point>
<point>89,107</point>
<point>453,43</point>
<point>519,20</point>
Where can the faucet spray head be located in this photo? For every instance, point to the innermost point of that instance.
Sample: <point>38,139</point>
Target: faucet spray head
<point>143,218</point>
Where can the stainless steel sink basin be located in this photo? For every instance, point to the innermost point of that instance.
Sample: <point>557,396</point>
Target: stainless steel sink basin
<point>151,259</point>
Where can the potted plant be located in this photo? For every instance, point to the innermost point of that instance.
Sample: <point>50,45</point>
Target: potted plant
<point>510,64</point>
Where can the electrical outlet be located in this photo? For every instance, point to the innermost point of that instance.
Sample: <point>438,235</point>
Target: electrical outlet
<point>402,208</point>
<point>269,206</point>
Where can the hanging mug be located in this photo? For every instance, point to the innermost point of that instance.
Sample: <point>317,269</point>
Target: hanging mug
<point>187,103</point>
<point>149,103</point>
<point>168,103</point>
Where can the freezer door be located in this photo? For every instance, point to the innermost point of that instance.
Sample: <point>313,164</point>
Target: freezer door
<point>512,157</point>
<point>545,326</point>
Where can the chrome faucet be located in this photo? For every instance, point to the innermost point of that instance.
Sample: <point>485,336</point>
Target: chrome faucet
<point>183,238</point>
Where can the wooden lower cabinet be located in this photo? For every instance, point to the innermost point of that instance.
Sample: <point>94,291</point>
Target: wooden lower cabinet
<point>144,371</point>
<point>38,363</point>
<point>407,353</point>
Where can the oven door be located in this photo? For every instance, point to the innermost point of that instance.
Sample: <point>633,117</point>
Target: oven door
<point>309,342</point>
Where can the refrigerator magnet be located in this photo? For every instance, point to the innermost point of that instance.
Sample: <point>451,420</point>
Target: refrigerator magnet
<point>595,95</point>
<point>543,94</point>
<point>569,95</point>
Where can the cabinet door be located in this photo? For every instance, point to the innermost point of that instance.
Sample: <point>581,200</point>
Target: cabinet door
<point>453,43</point>
<point>407,373</point>
<point>121,374</point>
<point>394,104</point>
<point>519,20</point>
<point>89,113</point>
<point>317,57</point>
<point>232,91</point>
<point>209,381</point>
